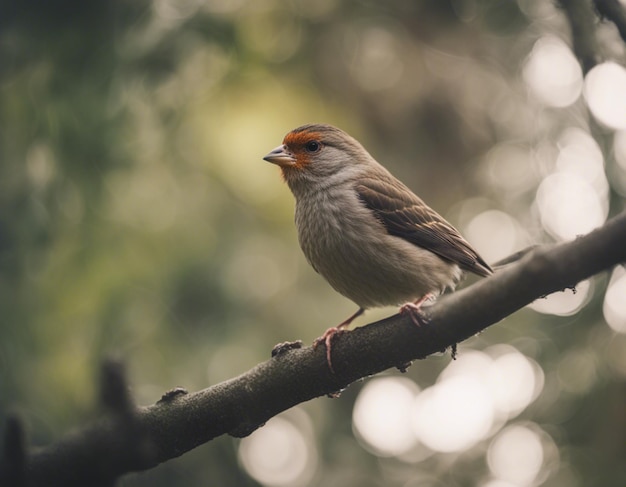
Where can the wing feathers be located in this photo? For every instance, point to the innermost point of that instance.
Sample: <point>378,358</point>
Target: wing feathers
<point>406,216</point>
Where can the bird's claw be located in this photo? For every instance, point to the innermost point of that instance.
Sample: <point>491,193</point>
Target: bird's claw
<point>326,339</point>
<point>414,312</point>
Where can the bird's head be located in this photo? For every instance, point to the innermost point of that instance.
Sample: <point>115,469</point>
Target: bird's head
<point>317,152</point>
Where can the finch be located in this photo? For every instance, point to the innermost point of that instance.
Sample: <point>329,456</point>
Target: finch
<point>364,231</point>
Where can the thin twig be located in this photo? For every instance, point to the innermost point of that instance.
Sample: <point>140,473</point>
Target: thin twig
<point>581,19</point>
<point>615,12</point>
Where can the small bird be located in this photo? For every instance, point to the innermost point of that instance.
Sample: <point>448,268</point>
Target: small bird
<point>363,230</point>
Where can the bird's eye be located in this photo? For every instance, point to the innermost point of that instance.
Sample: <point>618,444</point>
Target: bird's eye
<point>313,146</point>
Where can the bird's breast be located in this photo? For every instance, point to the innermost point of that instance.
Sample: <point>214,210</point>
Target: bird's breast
<point>351,249</point>
<point>328,225</point>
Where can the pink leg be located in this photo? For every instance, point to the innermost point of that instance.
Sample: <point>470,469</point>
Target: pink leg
<point>328,335</point>
<point>413,309</point>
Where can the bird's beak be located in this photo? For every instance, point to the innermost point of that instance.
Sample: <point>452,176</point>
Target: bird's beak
<point>281,156</point>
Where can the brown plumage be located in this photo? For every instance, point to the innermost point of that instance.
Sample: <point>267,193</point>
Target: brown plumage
<point>406,216</point>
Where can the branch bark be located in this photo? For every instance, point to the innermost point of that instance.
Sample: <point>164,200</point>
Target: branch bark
<point>134,438</point>
<point>615,12</point>
<point>581,19</point>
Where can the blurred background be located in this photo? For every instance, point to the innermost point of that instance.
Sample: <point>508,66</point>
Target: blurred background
<point>138,220</point>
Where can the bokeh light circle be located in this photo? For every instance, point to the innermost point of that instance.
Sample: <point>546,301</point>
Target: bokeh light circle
<point>454,414</point>
<point>563,303</point>
<point>605,92</point>
<point>382,413</point>
<point>614,306</point>
<point>580,154</point>
<point>515,381</point>
<point>619,148</point>
<point>494,233</point>
<point>498,483</point>
<point>278,455</point>
<point>516,455</point>
<point>552,73</point>
<point>569,206</point>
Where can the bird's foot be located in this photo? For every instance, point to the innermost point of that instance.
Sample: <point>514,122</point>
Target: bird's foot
<point>413,312</point>
<point>328,335</point>
<point>414,309</point>
<point>327,340</point>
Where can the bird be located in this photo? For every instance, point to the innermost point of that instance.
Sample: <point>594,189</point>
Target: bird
<point>374,240</point>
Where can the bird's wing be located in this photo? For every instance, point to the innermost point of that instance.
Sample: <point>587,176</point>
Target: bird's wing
<point>406,216</point>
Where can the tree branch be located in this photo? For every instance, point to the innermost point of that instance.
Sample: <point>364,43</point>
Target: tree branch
<point>132,439</point>
<point>581,18</point>
<point>615,12</point>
